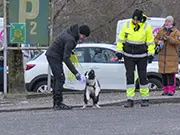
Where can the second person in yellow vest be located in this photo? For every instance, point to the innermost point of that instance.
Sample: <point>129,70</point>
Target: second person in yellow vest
<point>136,45</point>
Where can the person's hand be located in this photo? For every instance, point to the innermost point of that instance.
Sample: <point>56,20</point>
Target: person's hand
<point>81,78</point>
<point>119,55</point>
<point>160,42</point>
<point>78,76</point>
<point>150,58</point>
<point>157,49</point>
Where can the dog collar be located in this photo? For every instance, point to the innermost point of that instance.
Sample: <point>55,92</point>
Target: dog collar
<point>92,85</point>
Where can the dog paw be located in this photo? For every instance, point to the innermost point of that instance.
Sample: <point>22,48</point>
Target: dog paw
<point>84,106</point>
<point>96,106</point>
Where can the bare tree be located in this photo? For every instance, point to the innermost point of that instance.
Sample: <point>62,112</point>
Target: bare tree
<point>102,17</point>
<point>15,71</point>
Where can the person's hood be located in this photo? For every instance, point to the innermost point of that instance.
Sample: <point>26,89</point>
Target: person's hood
<point>74,31</point>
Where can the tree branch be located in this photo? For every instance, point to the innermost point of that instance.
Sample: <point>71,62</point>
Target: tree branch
<point>61,9</point>
<point>115,17</point>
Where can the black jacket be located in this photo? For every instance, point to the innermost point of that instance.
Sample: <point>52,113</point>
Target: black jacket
<point>63,45</point>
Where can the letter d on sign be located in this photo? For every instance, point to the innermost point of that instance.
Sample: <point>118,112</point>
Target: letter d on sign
<point>23,15</point>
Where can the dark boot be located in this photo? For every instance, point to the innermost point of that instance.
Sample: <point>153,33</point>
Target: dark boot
<point>129,103</point>
<point>164,93</point>
<point>62,106</point>
<point>170,94</point>
<point>145,103</point>
<point>57,102</point>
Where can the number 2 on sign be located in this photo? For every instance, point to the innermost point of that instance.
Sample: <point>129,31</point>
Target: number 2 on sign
<point>34,25</point>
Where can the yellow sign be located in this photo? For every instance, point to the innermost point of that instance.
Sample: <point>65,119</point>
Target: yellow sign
<point>17,33</point>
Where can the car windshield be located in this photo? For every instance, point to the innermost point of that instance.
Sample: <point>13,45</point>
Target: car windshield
<point>37,54</point>
<point>155,23</point>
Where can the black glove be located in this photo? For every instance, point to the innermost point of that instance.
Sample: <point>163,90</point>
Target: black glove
<point>150,58</point>
<point>119,55</point>
<point>78,76</point>
<point>157,49</point>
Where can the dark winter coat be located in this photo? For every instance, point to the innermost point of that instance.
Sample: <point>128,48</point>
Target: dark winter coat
<point>63,45</point>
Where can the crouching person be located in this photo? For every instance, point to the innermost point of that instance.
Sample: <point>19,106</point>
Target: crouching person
<point>59,52</point>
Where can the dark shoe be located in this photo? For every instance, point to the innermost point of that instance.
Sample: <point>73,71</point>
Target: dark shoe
<point>62,106</point>
<point>145,103</point>
<point>171,94</point>
<point>164,94</point>
<point>129,103</point>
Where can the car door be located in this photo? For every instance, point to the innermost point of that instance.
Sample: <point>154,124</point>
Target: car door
<point>109,71</point>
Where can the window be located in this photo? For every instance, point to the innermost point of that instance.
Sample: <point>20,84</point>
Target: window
<point>80,54</point>
<point>103,55</point>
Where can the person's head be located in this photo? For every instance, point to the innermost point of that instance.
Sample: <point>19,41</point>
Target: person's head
<point>169,21</point>
<point>137,16</point>
<point>84,32</point>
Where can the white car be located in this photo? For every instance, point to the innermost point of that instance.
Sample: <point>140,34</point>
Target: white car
<point>109,71</point>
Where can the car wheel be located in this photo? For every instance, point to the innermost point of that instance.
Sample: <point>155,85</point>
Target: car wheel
<point>42,87</point>
<point>154,84</point>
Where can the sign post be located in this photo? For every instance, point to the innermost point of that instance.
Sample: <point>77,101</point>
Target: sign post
<point>28,21</point>
<point>5,47</point>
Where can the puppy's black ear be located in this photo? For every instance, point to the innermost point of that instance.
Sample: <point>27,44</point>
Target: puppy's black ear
<point>86,73</point>
<point>92,70</point>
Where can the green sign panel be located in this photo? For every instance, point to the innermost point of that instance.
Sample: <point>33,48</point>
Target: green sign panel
<point>17,33</point>
<point>34,14</point>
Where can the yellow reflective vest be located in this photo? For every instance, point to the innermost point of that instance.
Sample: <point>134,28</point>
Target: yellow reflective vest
<point>136,44</point>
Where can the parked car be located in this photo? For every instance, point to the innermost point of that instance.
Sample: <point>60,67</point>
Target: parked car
<point>109,71</point>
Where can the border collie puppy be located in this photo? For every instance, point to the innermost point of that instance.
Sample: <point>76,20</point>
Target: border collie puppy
<point>92,89</point>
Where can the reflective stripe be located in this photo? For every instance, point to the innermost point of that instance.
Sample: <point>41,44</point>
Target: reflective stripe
<point>130,97</point>
<point>144,86</point>
<point>149,43</point>
<point>123,41</point>
<point>135,55</point>
<point>135,42</point>
<point>144,92</point>
<point>149,54</point>
<point>145,97</point>
<point>130,86</point>
<point>128,23</point>
<point>130,92</point>
<point>145,26</point>
<point>120,51</point>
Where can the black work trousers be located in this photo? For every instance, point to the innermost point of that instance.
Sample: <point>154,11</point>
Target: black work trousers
<point>168,79</point>
<point>141,64</point>
<point>59,78</point>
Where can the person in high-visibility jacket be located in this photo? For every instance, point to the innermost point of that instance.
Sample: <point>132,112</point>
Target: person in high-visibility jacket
<point>136,45</point>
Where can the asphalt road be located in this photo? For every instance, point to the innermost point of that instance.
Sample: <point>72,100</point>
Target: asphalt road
<point>161,119</point>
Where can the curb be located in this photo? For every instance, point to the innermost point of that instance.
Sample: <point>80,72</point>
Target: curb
<point>30,95</point>
<point>152,100</point>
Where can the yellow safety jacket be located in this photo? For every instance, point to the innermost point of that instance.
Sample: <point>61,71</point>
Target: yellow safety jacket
<point>136,44</point>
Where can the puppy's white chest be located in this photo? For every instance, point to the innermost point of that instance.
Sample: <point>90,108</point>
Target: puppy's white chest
<point>90,89</point>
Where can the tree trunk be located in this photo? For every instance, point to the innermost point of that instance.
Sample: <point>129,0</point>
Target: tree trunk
<point>15,71</point>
